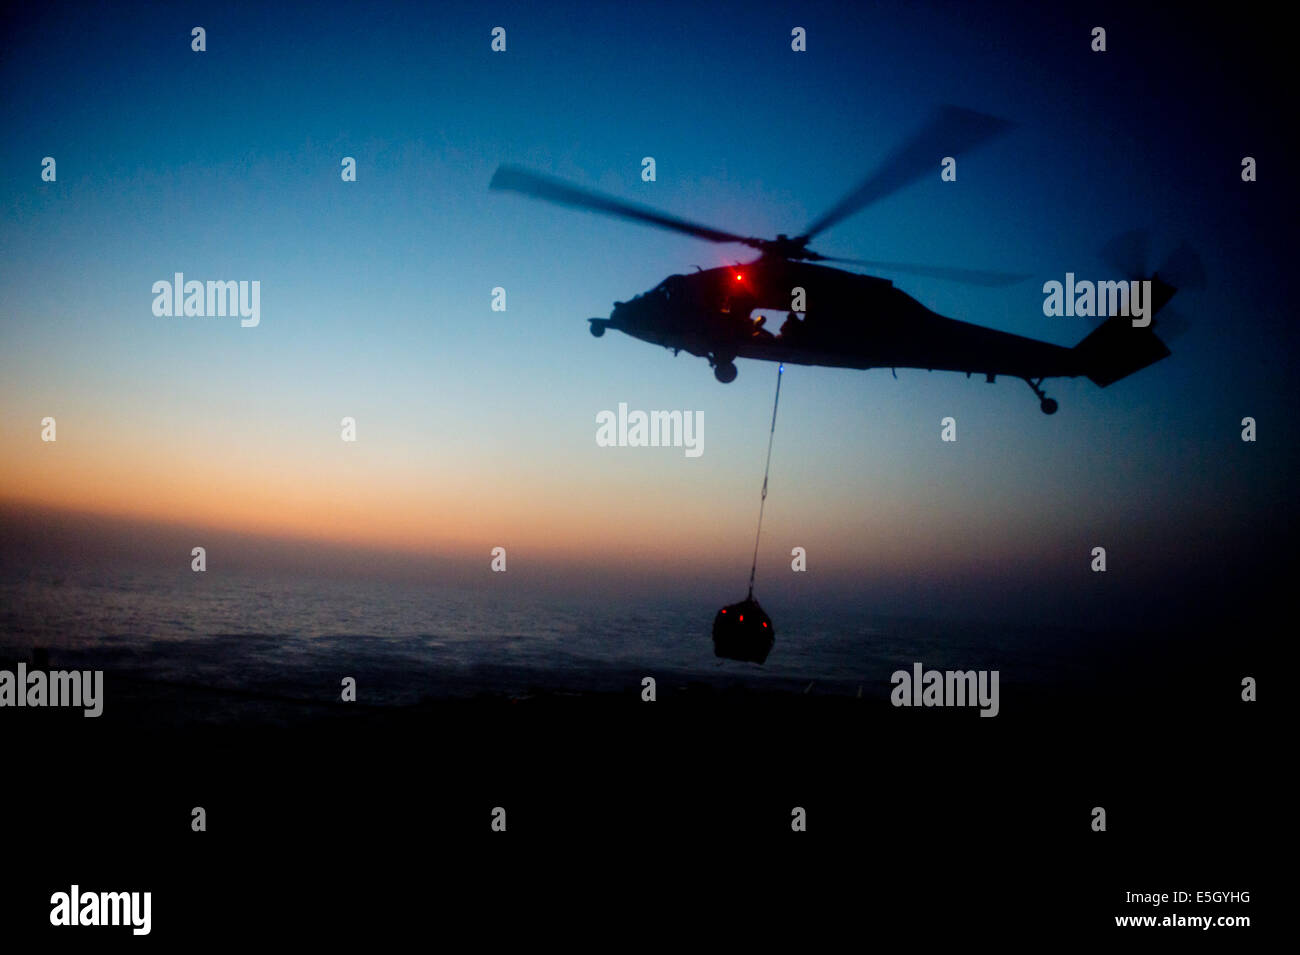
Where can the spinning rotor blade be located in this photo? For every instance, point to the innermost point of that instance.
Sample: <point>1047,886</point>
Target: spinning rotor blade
<point>515,179</point>
<point>951,131</point>
<point>967,276</point>
<point>1129,253</point>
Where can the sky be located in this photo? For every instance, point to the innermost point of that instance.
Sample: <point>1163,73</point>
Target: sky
<point>476,428</point>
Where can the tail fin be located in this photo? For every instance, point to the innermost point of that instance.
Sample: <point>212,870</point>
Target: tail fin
<point>1115,350</point>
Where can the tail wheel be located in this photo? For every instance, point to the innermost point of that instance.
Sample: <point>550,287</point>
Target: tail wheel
<point>598,328</point>
<point>725,371</point>
<point>1048,405</point>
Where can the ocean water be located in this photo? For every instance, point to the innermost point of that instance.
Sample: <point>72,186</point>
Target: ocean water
<point>295,638</point>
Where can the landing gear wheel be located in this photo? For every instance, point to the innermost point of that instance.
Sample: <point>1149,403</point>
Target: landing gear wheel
<point>1048,405</point>
<point>598,328</point>
<point>725,372</point>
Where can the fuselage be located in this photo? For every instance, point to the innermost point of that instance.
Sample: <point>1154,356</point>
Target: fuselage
<point>833,318</point>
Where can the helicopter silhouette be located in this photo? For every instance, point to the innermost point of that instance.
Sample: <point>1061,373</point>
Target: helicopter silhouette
<point>852,320</point>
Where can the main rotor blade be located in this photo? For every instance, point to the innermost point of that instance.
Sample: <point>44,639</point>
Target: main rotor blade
<point>968,276</point>
<point>951,131</point>
<point>514,179</point>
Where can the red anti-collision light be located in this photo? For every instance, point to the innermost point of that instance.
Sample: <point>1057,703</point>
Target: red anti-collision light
<point>739,276</point>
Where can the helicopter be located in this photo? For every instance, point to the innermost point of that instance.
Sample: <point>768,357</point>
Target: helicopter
<point>848,319</point>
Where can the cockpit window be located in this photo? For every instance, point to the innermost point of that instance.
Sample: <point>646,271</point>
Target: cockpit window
<point>669,288</point>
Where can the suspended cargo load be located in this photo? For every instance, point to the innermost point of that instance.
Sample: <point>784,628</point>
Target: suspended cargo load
<point>743,631</point>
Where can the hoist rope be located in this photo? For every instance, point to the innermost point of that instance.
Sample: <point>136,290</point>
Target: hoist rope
<point>766,469</point>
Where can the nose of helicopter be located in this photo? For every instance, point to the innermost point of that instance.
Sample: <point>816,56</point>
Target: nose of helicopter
<point>615,320</point>
<point>633,318</point>
<point>624,316</point>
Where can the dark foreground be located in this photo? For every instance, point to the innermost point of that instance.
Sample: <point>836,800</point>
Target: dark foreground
<point>672,817</point>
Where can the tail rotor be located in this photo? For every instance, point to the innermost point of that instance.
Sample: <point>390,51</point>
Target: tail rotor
<point>1128,254</point>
